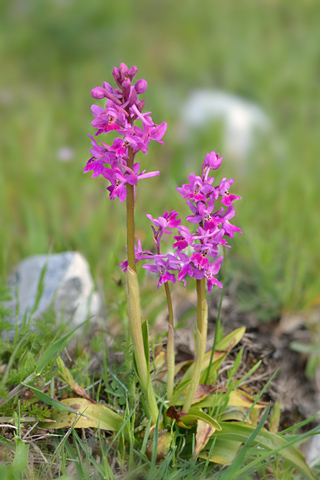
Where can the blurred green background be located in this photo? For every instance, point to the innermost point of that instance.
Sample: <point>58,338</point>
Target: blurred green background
<point>53,52</point>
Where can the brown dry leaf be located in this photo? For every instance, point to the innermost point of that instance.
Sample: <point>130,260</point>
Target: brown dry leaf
<point>175,414</point>
<point>203,391</point>
<point>204,432</point>
<point>96,416</point>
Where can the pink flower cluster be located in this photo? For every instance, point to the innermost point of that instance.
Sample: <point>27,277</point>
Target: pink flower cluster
<point>196,253</point>
<point>121,112</point>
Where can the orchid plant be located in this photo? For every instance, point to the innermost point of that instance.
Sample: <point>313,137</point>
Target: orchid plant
<point>196,253</point>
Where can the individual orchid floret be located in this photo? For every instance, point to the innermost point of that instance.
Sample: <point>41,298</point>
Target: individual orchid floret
<point>202,213</point>
<point>106,119</point>
<point>211,272</point>
<point>164,224</point>
<point>212,161</point>
<point>196,189</point>
<point>207,248</point>
<point>227,198</point>
<point>139,255</point>
<point>162,266</point>
<point>229,229</point>
<point>181,261</point>
<point>96,166</point>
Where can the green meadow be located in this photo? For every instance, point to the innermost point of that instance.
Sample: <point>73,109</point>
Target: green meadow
<point>54,52</point>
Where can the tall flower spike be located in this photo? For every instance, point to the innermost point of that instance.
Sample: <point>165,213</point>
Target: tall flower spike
<point>121,111</point>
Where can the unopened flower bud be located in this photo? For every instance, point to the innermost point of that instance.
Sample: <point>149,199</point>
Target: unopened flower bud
<point>126,84</point>
<point>98,92</point>
<point>132,71</point>
<point>141,86</point>
<point>116,73</point>
<point>123,69</point>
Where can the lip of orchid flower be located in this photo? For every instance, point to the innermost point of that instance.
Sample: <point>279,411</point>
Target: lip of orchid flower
<point>184,239</point>
<point>95,165</point>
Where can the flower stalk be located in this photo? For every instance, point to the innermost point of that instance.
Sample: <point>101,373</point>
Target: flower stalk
<point>170,345</point>
<point>134,314</point>
<point>130,216</point>
<point>202,324</point>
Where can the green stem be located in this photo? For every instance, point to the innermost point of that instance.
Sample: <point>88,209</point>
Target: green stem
<point>202,322</point>
<point>134,314</point>
<point>170,345</point>
<point>130,216</point>
<point>134,310</point>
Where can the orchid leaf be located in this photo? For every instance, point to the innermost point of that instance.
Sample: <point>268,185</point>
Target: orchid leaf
<point>235,414</point>
<point>224,451</point>
<point>237,398</point>
<point>194,415</point>
<point>145,336</point>
<point>233,431</point>
<point>95,416</point>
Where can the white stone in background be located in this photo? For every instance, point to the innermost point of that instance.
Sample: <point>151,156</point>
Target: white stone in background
<point>68,287</point>
<point>242,120</point>
<point>65,154</point>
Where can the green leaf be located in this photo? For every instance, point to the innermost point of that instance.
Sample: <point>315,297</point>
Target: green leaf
<point>267,440</point>
<point>94,416</point>
<point>5,443</point>
<point>231,340</point>
<point>178,391</point>
<point>230,473</point>
<point>51,401</point>
<point>20,461</point>
<point>224,451</point>
<point>145,336</point>
<point>194,414</point>
<point>307,348</point>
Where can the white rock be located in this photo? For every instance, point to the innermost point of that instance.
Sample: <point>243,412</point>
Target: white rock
<point>68,287</point>
<point>242,120</point>
<point>65,154</point>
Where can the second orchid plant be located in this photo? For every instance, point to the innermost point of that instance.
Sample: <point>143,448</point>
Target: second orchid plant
<point>196,247</point>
